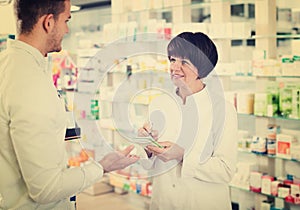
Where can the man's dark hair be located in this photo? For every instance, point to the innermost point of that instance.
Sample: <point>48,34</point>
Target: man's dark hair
<point>198,48</point>
<point>29,11</point>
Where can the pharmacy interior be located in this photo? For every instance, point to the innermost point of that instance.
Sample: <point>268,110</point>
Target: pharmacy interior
<point>259,66</point>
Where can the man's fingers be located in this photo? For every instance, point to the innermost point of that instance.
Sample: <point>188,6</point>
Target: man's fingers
<point>127,150</point>
<point>126,161</point>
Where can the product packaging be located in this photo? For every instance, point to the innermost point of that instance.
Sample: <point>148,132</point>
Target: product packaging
<point>255,181</point>
<point>245,102</point>
<point>296,103</point>
<point>283,145</point>
<point>286,99</point>
<point>274,187</point>
<point>260,104</point>
<point>259,145</point>
<point>266,182</point>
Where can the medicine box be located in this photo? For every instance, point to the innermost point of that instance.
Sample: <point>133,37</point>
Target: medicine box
<point>255,181</point>
<point>283,145</point>
<point>245,102</point>
<point>260,104</point>
<point>283,192</point>
<point>274,188</point>
<point>99,188</point>
<point>295,103</point>
<point>295,189</point>
<point>266,183</point>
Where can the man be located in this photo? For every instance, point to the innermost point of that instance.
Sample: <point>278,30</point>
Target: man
<point>33,120</point>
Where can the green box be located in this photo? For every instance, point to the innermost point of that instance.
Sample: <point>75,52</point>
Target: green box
<point>286,99</point>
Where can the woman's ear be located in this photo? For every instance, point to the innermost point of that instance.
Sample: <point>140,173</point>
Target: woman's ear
<point>48,23</point>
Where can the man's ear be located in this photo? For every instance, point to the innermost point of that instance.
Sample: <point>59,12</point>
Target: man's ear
<point>48,23</point>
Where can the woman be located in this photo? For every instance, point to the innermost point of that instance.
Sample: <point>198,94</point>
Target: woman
<point>198,157</point>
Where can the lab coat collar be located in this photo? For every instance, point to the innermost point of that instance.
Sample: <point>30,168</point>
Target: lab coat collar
<point>39,58</point>
<point>199,96</point>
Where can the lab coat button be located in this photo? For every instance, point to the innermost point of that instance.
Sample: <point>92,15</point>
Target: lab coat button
<point>173,185</point>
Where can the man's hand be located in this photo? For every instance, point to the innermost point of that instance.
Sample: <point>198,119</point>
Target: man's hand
<point>171,151</point>
<point>118,160</point>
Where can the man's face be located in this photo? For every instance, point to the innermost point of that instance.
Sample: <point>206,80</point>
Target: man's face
<point>60,29</point>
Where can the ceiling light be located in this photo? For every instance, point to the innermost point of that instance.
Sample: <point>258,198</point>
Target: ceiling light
<point>5,2</point>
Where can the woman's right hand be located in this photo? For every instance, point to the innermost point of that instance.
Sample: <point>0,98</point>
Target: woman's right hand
<point>146,130</point>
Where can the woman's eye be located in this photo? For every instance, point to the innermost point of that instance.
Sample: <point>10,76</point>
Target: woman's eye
<point>172,60</point>
<point>184,62</point>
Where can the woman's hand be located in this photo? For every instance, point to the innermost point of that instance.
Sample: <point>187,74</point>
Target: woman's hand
<point>146,130</point>
<point>171,151</point>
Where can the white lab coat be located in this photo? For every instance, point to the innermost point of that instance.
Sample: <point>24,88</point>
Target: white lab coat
<point>201,180</point>
<point>33,159</point>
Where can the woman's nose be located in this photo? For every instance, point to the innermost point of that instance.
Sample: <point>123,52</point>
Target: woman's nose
<point>176,65</point>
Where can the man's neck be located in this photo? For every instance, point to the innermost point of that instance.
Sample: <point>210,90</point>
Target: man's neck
<point>34,41</point>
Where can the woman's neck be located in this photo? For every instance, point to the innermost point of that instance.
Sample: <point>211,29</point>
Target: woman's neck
<point>184,92</point>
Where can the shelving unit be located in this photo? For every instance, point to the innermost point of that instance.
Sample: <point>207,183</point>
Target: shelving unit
<point>257,126</point>
<point>268,155</point>
<point>287,204</point>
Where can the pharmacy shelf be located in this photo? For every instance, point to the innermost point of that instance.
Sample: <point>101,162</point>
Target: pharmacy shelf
<point>271,196</point>
<point>239,75</point>
<point>269,117</point>
<point>109,124</point>
<point>286,36</point>
<point>195,5</point>
<point>267,155</point>
<point>254,37</point>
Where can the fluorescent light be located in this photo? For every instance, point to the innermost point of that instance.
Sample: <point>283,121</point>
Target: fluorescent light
<point>296,10</point>
<point>75,8</point>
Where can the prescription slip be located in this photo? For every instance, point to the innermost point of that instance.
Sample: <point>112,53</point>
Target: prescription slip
<point>144,141</point>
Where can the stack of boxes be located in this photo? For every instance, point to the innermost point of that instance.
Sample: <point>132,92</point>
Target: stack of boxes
<point>280,99</point>
<point>287,188</point>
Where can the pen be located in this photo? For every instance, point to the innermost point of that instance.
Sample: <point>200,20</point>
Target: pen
<point>152,138</point>
<point>149,133</point>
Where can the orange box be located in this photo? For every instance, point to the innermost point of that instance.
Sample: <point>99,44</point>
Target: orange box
<point>283,145</point>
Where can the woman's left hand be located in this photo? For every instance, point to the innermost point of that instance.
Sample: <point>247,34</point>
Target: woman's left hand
<point>170,151</point>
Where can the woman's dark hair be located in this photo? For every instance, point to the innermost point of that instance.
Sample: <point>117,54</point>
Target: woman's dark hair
<point>198,48</point>
<point>29,11</point>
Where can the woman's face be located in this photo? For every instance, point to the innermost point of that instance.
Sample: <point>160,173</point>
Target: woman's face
<point>183,72</point>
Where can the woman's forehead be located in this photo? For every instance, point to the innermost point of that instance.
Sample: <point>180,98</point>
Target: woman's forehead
<point>179,57</point>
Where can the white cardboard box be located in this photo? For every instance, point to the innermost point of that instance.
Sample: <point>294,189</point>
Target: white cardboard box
<point>99,188</point>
